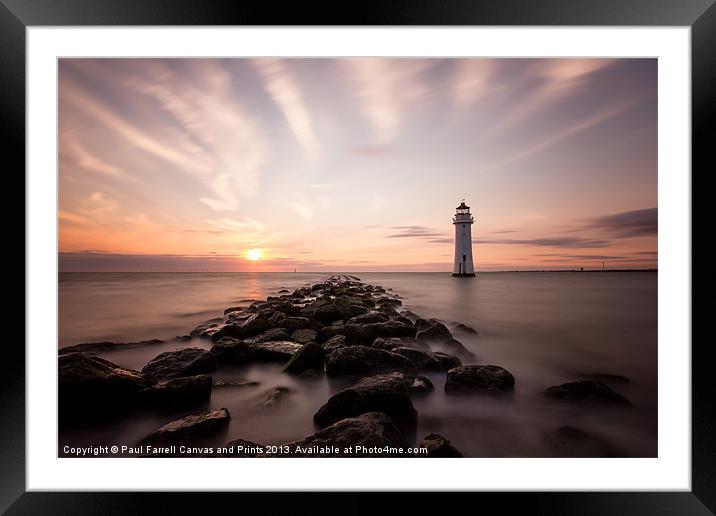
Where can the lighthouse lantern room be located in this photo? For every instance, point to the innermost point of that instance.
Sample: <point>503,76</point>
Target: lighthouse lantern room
<point>463,222</point>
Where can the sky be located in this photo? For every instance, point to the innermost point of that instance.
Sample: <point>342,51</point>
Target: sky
<point>356,164</point>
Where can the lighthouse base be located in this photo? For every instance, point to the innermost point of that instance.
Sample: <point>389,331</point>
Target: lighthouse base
<point>461,275</point>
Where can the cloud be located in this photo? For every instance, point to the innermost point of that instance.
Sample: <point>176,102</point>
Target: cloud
<point>79,156</point>
<point>386,89</point>
<point>414,232</point>
<point>568,242</point>
<point>473,80</point>
<point>628,224</point>
<point>283,88</point>
<point>560,136</point>
<point>211,138</point>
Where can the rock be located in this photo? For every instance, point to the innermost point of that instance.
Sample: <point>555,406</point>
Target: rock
<point>365,334</point>
<point>303,336</point>
<point>392,303</point>
<point>182,362</point>
<point>269,335</point>
<point>455,347</point>
<point>235,383</point>
<point>275,396</point>
<point>230,350</point>
<point>365,360</point>
<point>335,342</point>
<point>101,347</point>
<point>274,351</point>
<point>478,378</point>
<point>189,427</point>
<point>432,330</point>
<point>422,361</point>
<point>250,327</point>
<point>323,311</point>
<point>368,318</point>
<point>446,361</point>
<point>586,391</point>
<point>234,309</point>
<point>421,386</point>
<point>310,356</point>
<point>439,446</point>
<point>366,433</point>
<point>340,322</point>
<point>177,393</point>
<point>298,323</point>
<point>392,343</point>
<point>208,328</point>
<point>388,393</point>
<point>94,388</point>
<point>463,328</point>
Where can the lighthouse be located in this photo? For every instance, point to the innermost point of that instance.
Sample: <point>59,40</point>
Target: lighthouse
<point>463,222</point>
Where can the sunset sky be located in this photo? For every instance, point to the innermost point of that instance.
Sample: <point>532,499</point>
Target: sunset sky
<point>356,164</point>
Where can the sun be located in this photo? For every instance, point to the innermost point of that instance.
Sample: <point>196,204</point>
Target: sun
<point>254,254</point>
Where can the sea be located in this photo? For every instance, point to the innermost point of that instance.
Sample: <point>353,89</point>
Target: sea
<point>546,328</point>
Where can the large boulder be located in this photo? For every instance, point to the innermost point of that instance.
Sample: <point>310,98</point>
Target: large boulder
<point>187,428</point>
<point>269,335</point>
<point>323,310</point>
<point>438,446</point>
<point>209,328</point>
<point>335,342</point>
<point>390,343</point>
<point>388,393</point>
<point>94,388</point>
<point>252,326</point>
<point>478,378</point>
<point>292,324</point>
<point>422,361</point>
<point>309,357</point>
<point>304,335</point>
<point>365,334</point>
<point>432,330</point>
<point>182,362</point>
<point>274,351</point>
<point>586,391</point>
<point>92,348</point>
<point>365,360</point>
<point>366,435</point>
<point>177,393</point>
<point>368,318</point>
<point>233,351</point>
<point>446,361</point>
<point>455,347</point>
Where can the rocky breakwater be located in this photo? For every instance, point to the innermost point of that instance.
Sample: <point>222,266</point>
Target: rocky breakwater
<point>356,333</point>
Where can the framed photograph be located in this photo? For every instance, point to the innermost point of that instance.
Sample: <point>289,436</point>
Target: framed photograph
<point>438,247</point>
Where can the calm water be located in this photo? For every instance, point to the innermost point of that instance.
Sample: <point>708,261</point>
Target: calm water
<point>545,328</point>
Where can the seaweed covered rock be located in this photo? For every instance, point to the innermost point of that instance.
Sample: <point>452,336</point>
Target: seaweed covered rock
<point>188,428</point>
<point>182,362</point>
<point>478,378</point>
<point>365,434</point>
<point>586,391</point>
<point>93,388</point>
<point>365,360</point>
<point>388,393</point>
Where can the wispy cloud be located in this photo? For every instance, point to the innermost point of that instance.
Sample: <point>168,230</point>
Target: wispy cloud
<point>386,91</point>
<point>285,91</point>
<point>634,223</point>
<point>560,241</point>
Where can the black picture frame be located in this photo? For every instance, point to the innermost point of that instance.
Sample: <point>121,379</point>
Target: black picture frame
<point>17,15</point>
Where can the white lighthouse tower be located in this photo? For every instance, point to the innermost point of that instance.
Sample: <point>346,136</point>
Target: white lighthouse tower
<point>463,222</point>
